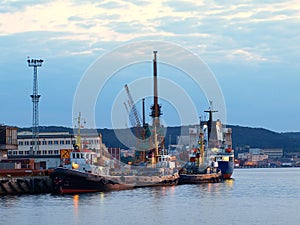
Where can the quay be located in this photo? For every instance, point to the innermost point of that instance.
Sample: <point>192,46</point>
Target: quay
<point>24,182</point>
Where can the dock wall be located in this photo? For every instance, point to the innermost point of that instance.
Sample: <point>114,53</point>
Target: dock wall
<point>25,185</point>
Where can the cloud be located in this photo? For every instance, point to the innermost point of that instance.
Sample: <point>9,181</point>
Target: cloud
<point>244,55</point>
<point>19,5</point>
<point>211,29</point>
<point>184,6</point>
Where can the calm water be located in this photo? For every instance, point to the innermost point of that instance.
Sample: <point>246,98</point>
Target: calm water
<point>255,196</point>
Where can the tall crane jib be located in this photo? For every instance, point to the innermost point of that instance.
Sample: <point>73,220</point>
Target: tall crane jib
<point>133,107</point>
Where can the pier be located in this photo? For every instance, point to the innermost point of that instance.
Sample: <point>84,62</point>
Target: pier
<point>25,182</point>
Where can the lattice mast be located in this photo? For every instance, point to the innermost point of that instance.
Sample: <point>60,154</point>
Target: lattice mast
<point>35,63</point>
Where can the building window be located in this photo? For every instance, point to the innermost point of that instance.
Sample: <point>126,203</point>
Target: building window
<point>68,142</point>
<point>38,153</point>
<point>44,142</point>
<point>50,142</point>
<point>62,142</point>
<point>26,152</point>
<point>20,143</point>
<point>45,152</point>
<point>73,142</point>
<point>55,152</point>
<point>50,152</point>
<point>55,142</point>
<point>20,152</point>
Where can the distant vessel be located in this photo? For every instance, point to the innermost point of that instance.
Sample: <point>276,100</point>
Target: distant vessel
<point>219,144</point>
<point>200,168</point>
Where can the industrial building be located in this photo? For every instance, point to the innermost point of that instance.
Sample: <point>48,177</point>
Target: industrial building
<point>48,153</point>
<point>8,140</point>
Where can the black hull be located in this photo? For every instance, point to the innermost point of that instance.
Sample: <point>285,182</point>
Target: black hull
<point>68,181</point>
<point>200,178</point>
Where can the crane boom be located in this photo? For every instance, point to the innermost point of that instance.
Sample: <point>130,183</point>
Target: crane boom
<point>131,119</point>
<point>132,106</point>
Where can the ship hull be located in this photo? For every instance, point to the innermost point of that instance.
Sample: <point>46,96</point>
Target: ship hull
<point>226,168</point>
<point>200,178</point>
<point>69,181</point>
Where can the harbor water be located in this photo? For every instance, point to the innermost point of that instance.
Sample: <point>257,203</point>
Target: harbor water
<point>254,196</point>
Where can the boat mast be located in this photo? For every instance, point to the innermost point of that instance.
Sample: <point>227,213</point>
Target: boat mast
<point>77,145</point>
<point>210,111</point>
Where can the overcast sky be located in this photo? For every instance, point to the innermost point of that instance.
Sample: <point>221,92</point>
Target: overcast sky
<point>251,46</point>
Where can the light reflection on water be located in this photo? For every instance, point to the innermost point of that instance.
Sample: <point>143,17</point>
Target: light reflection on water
<point>255,196</point>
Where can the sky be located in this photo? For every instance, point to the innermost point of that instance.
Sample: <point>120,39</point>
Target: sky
<point>251,48</point>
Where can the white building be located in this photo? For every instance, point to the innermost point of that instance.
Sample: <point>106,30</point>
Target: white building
<point>50,146</point>
<point>274,152</point>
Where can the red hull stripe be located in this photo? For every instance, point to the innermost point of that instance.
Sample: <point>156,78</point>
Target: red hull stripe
<point>227,175</point>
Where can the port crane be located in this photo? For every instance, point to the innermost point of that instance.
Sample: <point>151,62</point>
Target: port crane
<point>141,127</point>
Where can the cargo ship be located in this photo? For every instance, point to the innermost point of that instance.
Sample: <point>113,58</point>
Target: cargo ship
<point>219,144</point>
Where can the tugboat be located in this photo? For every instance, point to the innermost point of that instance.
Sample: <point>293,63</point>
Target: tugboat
<point>81,173</point>
<point>200,168</point>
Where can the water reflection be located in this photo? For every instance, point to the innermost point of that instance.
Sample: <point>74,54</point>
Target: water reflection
<point>257,197</point>
<point>76,204</point>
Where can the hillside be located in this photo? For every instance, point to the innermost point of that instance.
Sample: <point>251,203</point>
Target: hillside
<point>241,136</point>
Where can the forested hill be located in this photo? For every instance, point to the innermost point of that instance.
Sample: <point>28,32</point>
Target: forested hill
<point>241,136</point>
<point>263,138</point>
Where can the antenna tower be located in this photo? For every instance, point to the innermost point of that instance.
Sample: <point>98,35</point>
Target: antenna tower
<point>35,63</point>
